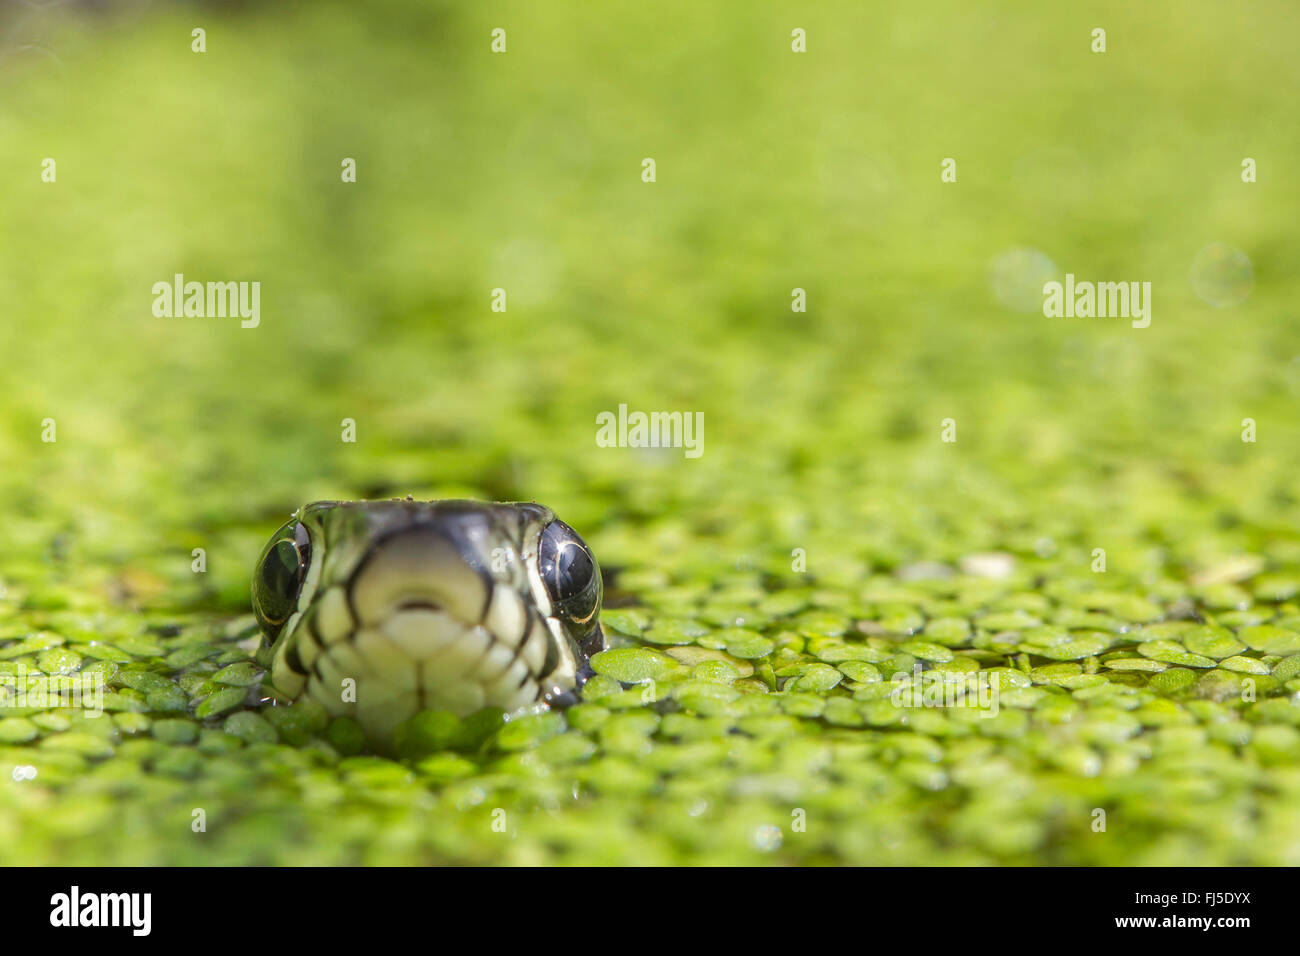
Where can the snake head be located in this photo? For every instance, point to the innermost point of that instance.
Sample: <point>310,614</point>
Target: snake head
<point>442,605</point>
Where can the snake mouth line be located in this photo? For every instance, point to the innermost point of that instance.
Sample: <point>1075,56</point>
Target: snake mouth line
<point>418,604</point>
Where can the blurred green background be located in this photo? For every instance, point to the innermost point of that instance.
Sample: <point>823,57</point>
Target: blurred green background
<point>775,170</point>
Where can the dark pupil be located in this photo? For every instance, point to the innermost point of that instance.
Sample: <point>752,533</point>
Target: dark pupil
<point>573,570</point>
<point>570,574</point>
<point>282,571</point>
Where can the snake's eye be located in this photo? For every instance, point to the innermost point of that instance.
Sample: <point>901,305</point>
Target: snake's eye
<point>571,576</point>
<point>279,576</point>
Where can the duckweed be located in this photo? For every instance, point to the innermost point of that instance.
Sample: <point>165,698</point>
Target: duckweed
<point>931,651</point>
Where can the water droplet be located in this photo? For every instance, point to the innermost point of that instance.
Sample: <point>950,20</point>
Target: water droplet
<point>768,838</point>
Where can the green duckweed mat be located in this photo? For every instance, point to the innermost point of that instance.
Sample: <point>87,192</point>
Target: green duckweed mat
<point>762,597</point>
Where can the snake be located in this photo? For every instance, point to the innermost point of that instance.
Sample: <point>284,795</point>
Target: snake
<point>379,610</point>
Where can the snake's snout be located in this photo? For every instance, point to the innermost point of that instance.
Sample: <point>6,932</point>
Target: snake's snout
<point>418,570</point>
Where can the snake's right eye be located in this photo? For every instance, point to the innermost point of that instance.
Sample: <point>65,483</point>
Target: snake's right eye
<point>281,570</point>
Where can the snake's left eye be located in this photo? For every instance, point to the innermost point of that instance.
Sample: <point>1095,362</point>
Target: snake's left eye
<point>278,580</point>
<point>571,576</point>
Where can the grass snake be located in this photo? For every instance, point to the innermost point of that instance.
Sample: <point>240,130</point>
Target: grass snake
<point>381,609</point>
